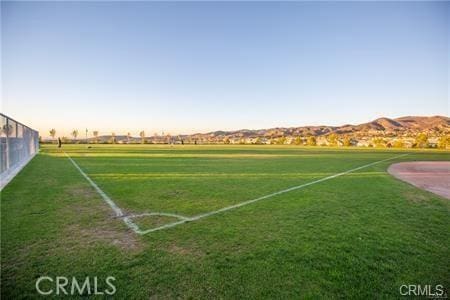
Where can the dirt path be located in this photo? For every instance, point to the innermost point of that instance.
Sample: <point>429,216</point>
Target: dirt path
<point>433,176</point>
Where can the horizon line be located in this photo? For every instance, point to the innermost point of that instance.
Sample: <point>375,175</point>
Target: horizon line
<point>163,133</point>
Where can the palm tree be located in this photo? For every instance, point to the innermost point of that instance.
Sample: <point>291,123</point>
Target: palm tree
<point>75,134</point>
<point>52,133</point>
<point>128,137</point>
<point>95,133</point>
<point>142,134</point>
<point>113,138</point>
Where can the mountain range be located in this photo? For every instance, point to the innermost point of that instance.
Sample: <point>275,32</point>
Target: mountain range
<point>403,126</point>
<point>382,126</point>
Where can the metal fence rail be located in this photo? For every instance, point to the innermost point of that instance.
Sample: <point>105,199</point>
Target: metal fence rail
<point>18,144</point>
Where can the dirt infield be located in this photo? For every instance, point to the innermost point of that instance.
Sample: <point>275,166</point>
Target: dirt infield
<point>433,176</point>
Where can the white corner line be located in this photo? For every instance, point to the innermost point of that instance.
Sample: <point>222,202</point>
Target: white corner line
<point>114,207</point>
<point>127,219</point>
<point>160,214</point>
<point>201,216</point>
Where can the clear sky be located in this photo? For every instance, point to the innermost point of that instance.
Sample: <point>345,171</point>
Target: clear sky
<point>202,66</point>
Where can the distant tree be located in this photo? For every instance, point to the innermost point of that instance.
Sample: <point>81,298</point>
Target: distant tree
<point>258,141</point>
<point>95,133</point>
<point>226,140</point>
<point>281,140</point>
<point>242,141</point>
<point>444,141</point>
<point>298,141</point>
<point>75,134</point>
<point>7,129</point>
<point>332,139</point>
<point>128,137</point>
<point>421,140</point>
<point>347,142</point>
<point>398,143</point>
<point>312,141</point>
<point>378,142</point>
<point>113,138</point>
<point>142,135</point>
<point>52,133</point>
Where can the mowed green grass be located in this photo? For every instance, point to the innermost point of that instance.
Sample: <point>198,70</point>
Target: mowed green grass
<point>361,235</point>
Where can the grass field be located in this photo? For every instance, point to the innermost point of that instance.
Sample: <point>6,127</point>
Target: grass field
<point>360,235</point>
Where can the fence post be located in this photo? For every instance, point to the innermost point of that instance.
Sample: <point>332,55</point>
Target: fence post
<point>7,143</point>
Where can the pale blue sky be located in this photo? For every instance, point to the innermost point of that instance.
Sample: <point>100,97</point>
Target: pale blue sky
<point>196,67</point>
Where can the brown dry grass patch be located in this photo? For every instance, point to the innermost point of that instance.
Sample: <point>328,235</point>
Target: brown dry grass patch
<point>91,222</point>
<point>415,197</point>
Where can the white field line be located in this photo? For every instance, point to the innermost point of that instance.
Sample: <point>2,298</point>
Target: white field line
<point>160,214</point>
<point>201,216</point>
<point>135,228</point>
<point>105,197</point>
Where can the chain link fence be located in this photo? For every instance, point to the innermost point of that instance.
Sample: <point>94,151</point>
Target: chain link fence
<point>18,144</point>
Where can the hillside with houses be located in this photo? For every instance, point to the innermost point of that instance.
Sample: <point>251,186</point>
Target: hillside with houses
<point>403,132</point>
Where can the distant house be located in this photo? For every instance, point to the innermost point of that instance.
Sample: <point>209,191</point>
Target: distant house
<point>235,140</point>
<point>322,141</point>
<point>363,143</point>
<point>289,140</point>
<point>433,142</point>
<point>409,142</point>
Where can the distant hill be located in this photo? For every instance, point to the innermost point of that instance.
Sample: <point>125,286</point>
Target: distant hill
<point>403,126</point>
<point>409,124</point>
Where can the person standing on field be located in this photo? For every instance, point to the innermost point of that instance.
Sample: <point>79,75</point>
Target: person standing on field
<point>59,142</point>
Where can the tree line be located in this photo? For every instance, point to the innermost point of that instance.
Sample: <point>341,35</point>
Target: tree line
<point>421,140</point>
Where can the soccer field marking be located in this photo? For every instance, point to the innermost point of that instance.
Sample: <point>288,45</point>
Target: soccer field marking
<point>128,218</point>
<point>119,213</point>
<point>159,214</point>
<point>201,216</point>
